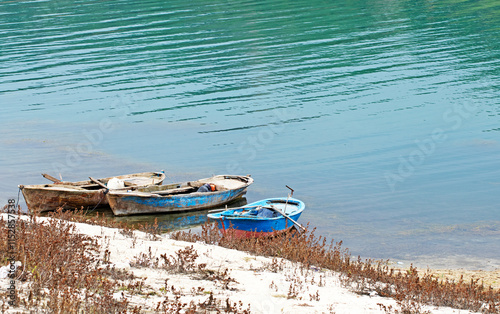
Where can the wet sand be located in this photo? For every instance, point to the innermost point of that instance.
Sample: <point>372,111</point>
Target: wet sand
<point>488,278</point>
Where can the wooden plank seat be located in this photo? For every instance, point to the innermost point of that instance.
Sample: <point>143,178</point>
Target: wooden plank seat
<point>184,190</point>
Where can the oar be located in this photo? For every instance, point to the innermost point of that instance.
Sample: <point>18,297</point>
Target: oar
<point>51,178</point>
<point>286,216</point>
<point>288,197</point>
<point>222,210</point>
<point>98,183</point>
<point>217,210</point>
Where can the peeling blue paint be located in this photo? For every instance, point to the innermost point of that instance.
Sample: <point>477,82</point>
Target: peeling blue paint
<point>162,201</point>
<point>184,202</point>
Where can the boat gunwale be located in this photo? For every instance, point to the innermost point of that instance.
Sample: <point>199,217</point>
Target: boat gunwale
<point>134,193</point>
<point>218,216</point>
<point>76,186</point>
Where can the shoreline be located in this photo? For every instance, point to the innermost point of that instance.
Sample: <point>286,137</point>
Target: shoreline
<point>489,275</point>
<point>266,285</point>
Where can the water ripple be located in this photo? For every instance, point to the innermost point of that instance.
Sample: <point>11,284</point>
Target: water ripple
<point>358,84</point>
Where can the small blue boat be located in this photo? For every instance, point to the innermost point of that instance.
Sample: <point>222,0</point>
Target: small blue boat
<point>261,218</point>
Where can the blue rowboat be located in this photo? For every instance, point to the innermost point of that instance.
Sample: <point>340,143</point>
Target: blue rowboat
<point>178,197</point>
<point>261,218</point>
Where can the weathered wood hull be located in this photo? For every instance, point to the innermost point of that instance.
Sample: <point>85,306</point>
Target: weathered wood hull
<point>137,202</point>
<point>240,223</point>
<point>81,194</point>
<point>42,199</point>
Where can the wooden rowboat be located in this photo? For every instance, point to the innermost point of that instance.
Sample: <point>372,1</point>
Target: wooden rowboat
<point>261,218</point>
<point>178,197</point>
<point>81,194</point>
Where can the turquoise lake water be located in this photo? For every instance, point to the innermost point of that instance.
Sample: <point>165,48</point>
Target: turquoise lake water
<point>384,116</point>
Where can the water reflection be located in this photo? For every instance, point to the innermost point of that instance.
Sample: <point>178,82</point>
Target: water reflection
<point>328,97</point>
<point>169,222</point>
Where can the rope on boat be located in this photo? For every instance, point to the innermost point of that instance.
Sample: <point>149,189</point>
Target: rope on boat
<point>18,193</point>
<point>103,196</point>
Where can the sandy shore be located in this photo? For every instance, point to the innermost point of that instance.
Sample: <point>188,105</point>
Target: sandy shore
<point>262,284</point>
<point>488,278</point>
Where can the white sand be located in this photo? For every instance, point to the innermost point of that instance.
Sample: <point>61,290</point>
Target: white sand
<point>316,291</point>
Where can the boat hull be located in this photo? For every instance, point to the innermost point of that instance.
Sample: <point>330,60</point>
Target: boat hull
<point>81,194</point>
<point>134,203</point>
<point>242,226</point>
<point>39,199</point>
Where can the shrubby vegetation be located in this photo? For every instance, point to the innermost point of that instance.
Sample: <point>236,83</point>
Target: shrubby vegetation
<point>66,272</point>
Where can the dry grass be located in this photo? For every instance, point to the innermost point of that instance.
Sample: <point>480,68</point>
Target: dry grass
<point>410,288</point>
<point>66,272</point>
<point>60,269</point>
